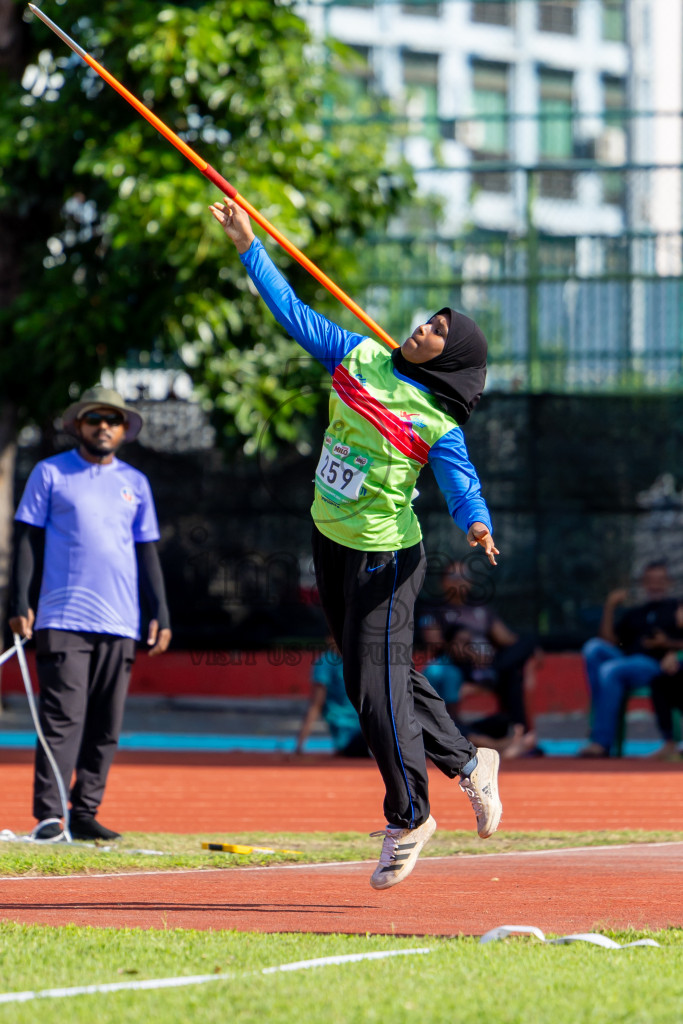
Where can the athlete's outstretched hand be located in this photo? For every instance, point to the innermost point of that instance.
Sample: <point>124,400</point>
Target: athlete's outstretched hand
<point>235,222</point>
<point>479,534</point>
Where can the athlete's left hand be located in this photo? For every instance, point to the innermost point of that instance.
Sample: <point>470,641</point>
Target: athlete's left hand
<point>235,222</point>
<point>157,639</point>
<point>479,534</point>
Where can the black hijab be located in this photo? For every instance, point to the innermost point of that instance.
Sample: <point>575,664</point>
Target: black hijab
<point>455,377</point>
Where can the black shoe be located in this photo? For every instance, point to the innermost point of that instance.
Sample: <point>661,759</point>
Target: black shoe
<point>49,831</point>
<point>89,828</point>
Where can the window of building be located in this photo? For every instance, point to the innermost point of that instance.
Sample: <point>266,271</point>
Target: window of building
<point>490,12</point>
<point>491,137</point>
<point>557,17</point>
<point>555,107</point>
<point>614,20</point>
<point>354,66</point>
<point>421,82</point>
<point>612,145</point>
<point>615,101</point>
<point>490,102</point>
<point>361,72</point>
<point>422,7</point>
<point>555,131</point>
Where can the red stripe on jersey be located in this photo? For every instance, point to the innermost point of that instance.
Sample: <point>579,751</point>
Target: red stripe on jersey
<point>400,434</point>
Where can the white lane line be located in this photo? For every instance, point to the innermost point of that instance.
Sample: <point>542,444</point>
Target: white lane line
<point>199,979</point>
<point>345,863</point>
<point>466,856</point>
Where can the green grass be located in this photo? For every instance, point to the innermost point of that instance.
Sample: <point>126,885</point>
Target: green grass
<point>184,851</point>
<point>518,981</point>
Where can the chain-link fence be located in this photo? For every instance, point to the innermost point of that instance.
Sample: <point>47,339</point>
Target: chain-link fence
<point>564,309</point>
<point>584,490</point>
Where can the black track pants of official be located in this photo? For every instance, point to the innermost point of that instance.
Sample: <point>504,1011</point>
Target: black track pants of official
<point>368,598</point>
<point>83,679</point>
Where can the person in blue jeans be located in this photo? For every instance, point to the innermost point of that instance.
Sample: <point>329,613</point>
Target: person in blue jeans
<point>329,699</point>
<point>627,652</point>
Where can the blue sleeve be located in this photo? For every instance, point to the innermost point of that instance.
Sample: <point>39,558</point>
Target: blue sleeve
<point>458,480</point>
<point>326,341</point>
<point>34,507</point>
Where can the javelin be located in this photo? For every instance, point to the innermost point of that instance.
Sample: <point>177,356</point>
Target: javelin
<point>209,172</point>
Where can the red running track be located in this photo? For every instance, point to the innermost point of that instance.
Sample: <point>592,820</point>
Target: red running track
<point>236,794</point>
<point>558,891</point>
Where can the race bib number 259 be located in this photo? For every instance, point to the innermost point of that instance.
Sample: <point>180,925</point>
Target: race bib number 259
<point>341,471</point>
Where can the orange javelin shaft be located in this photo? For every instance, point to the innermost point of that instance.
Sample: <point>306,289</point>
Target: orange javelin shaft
<point>217,179</point>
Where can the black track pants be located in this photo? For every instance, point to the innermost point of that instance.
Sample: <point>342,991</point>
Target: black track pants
<point>667,694</point>
<point>83,680</point>
<point>368,598</point>
<point>509,665</point>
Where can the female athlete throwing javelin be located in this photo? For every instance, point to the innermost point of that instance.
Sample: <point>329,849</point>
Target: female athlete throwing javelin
<point>389,415</point>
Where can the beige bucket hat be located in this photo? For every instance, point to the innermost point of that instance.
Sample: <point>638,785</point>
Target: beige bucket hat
<point>97,398</point>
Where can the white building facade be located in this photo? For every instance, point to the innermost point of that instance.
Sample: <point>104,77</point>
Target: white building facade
<point>556,126</point>
<point>528,83</point>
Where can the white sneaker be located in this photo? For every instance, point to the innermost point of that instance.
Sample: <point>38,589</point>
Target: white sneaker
<point>482,789</point>
<point>400,850</point>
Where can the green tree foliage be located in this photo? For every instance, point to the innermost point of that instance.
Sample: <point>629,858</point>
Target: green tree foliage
<point>117,250</point>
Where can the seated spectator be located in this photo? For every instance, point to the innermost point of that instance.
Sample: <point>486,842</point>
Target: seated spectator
<point>329,699</point>
<point>667,694</point>
<point>446,676</point>
<point>626,654</point>
<point>473,639</point>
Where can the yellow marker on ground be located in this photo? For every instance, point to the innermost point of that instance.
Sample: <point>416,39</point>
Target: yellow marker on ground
<point>236,848</point>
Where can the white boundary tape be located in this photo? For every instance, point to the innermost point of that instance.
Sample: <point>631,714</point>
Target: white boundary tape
<point>198,979</point>
<point>7,836</point>
<point>504,930</point>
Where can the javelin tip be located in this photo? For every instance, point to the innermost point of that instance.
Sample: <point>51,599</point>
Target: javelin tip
<point>43,17</point>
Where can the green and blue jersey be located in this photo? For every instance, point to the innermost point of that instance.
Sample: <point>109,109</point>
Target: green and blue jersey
<point>383,428</point>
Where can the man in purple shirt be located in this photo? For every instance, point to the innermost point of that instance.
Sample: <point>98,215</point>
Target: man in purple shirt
<point>97,519</point>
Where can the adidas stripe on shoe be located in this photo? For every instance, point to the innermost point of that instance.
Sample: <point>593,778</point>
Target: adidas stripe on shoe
<point>400,850</point>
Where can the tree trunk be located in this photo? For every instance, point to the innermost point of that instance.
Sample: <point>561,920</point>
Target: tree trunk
<point>8,453</point>
<point>12,38</point>
<point>12,60</point>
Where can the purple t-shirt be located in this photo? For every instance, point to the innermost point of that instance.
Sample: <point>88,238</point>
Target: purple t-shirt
<point>93,516</point>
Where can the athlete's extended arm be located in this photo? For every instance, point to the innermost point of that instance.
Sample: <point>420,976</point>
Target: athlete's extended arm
<point>459,483</point>
<point>321,338</point>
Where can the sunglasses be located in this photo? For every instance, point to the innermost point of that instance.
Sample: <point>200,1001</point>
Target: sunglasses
<point>112,419</point>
